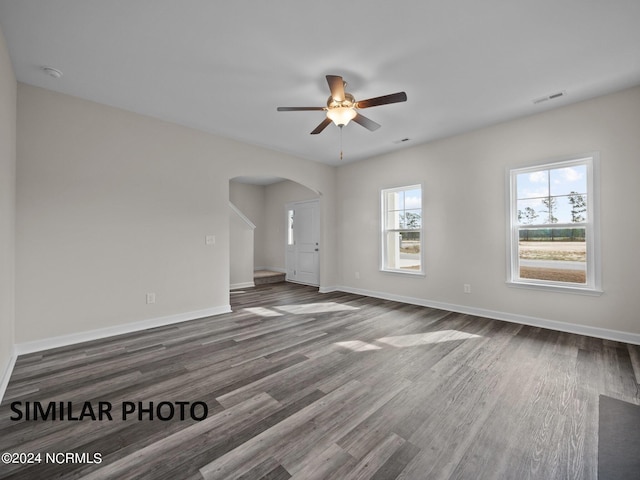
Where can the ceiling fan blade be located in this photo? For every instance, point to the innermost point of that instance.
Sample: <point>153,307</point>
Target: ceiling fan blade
<point>384,100</point>
<point>321,127</point>
<point>336,85</point>
<point>366,122</point>
<point>299,109</point>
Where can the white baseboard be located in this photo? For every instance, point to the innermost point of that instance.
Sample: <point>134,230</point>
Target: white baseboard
<point>64,340</point>
<point>7,374</point>
<point>596,332</point>
<point>235,286</point>
<point>331,288</point>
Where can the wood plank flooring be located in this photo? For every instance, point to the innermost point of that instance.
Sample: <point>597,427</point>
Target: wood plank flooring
<point>302,385</point>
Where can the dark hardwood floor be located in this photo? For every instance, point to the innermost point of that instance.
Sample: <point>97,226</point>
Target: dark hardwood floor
<point>310,386</point>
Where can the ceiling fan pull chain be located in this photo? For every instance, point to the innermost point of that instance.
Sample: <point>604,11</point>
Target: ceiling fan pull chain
<point>341,142</point>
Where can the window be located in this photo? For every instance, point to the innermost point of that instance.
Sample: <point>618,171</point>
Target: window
<point>553,218</point>
<point>290,215</point>
<point>402,229</point>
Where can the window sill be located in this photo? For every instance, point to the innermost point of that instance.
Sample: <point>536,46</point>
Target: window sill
<point>593,292</point>
<point>404,272</point>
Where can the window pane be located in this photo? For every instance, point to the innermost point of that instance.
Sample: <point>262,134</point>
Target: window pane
<point>413,199</point>
<point>537,211</point>
<point>531,212</point>
<point>290,214</point>
<point>412,218</point>
<point>533,184</point>
<point>566,180</point>
<point>553,254</point>
<point>571,208</point>
<point>403,250</point>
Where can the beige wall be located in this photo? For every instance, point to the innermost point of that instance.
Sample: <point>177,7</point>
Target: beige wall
<point>250,201</point>
<point>465,219</point>
<point>112,205</point>
<point>7,209</point>
<point>241,245</point>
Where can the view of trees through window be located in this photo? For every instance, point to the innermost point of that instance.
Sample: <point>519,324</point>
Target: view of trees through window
<point>551,222</point>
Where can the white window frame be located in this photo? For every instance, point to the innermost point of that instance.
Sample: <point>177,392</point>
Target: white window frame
<point>385,230</point>
<point>591,225</point>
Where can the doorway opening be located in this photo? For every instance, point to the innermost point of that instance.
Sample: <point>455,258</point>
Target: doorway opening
<point>260,233</point>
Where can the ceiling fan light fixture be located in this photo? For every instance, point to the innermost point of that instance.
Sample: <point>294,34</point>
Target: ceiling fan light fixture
<point>341,116</point>
<point>342,106</point>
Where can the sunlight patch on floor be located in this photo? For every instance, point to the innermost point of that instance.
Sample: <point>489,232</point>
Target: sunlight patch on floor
<point>413,340</point>
<point>417,339</point>
<point>323,307</point>
<point>358,346</point>
<point>263,312</point>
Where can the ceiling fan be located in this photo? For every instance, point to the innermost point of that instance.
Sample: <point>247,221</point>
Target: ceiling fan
<point>342,106</point>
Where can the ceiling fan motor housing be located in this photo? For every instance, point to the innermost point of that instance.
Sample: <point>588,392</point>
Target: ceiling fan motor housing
<point>348,102</point>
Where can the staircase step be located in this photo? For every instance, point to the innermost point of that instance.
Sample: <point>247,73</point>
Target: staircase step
<point>261,277</point>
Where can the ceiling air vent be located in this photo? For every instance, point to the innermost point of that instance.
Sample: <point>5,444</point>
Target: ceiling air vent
<point>553,96</point>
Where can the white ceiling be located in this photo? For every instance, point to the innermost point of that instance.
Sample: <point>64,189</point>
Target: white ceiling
<point>224,66</point>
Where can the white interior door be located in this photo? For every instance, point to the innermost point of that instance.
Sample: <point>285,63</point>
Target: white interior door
<point>303,242</point>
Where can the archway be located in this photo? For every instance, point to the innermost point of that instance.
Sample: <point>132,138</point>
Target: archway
<point>258,215</point>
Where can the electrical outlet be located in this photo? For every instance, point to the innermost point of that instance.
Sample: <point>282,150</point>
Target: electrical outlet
<point>151,298</point>
<point>210,240</point>
<point>466,288</point>
<point>357,275</point>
